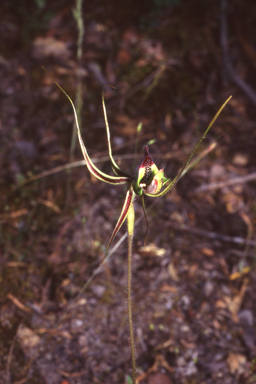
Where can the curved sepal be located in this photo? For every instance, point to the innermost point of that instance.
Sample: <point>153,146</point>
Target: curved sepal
<point>127,203</point>
<point>91,167</point>
<point>116,169</point>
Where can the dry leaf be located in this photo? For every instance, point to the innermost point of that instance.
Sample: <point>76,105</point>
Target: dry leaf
<point>169,288</point>
<point>28,338</point>
<point>49,204</point>
<point>233,201</point>
<point>193,269</point>
<point>238,299</point>
<point>240,159</point>
<point>217,172</point>
<point>49,46</point>
<point>233,304</point>
<point>236,363</point>
<point>238,274</point>
<point>207,252</point>
<point>176,216</point>
<point>220,304</point>
<point>152,249</point>
<point>173,272</point>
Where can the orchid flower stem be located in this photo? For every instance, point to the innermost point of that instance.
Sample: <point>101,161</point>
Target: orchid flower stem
<point>130,231</point>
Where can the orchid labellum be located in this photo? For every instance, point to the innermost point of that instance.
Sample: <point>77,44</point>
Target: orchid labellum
<point>150,182</point>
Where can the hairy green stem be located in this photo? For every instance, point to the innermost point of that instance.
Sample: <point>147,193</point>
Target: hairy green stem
<point>130,230</point>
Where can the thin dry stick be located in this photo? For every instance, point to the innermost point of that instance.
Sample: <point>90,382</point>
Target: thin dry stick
<point>99,157</point>
<point>212,235</point>
<point>249,237</point>
<point>102,159</point>
<point>229,70</point>
<point>223,184</point>
<point>81,163</point>
<point>9,358</point>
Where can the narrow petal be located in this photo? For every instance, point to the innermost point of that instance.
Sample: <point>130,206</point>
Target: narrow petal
<point>128,201</point>
<point>91,167</point>
<point>178,176</point>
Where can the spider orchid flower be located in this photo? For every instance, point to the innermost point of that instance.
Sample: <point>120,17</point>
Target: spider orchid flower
<point>150,182</point>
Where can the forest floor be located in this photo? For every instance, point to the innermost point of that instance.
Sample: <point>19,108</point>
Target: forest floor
<point>63,318</point>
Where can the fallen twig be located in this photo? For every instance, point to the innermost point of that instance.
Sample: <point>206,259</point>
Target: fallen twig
<point>81,163</point>
<point>18,303</point>
<point>212,235</point>
<point>223,184</point>
<point>10,354</point>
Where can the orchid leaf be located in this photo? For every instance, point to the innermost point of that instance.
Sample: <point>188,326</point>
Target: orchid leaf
<point>116,169</point>
<point>127,203</point>
<point>91,167</point>
<point>178,176</point>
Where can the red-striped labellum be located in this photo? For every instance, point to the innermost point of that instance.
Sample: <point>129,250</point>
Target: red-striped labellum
<point>150,179</point>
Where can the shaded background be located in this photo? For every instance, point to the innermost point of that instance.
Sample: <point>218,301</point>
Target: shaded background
<point>173,64</point>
